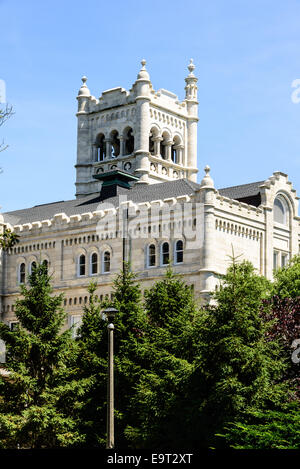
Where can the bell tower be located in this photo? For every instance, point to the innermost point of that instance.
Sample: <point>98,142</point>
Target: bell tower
<point>149,134</point>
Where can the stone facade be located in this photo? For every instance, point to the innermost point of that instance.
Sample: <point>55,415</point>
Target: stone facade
<point>162,215</point>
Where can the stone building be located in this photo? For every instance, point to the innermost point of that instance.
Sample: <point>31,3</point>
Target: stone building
<point>137,199</point>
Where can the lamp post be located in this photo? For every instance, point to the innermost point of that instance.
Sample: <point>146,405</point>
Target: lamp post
<point>110,442</point>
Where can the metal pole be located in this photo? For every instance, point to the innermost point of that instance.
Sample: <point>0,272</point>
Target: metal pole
<point>110,389</point>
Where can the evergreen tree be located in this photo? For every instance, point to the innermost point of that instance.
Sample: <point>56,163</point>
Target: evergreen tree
<point>266,429</point>
<point>8,239</point>
<point>238,369</point>
<point>36,402</point>
<point>128,359</point>
<point>287,279</point>
<point>162,401</point>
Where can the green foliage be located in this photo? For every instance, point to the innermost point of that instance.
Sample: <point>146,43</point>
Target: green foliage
<point>36,402</point>
<point>162,399</point>
<point>287,279</point>
<point>128,359</point>
<point>269,429</point>
<point>238,368</point>
<point>8,239</point>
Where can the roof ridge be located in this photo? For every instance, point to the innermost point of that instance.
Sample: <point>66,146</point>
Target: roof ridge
<point>242,185</point>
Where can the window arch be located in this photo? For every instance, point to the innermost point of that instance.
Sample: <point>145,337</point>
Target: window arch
<point>165,253</point>
<point>106,262</point>
<point>128,141</point>
<point>46,264</point>
<point>81,265</point>
<point>94,263</point>
<point>100,147</point>
<point>280,210</point>
<point>21,273</point>
<point>154,140</point>
<point>175,150</point>
<point>32,266</point>
<point>179,252</point>
<point>165,146</point>
<point>115,144</point>
<point>151,255</point>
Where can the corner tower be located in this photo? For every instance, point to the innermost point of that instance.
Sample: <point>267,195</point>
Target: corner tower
<point>148,133</point>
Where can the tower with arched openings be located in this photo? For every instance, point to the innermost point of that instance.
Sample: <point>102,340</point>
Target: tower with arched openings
<point>148,133</point>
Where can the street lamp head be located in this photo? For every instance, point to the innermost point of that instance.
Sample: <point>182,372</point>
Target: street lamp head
<point>110,313</point>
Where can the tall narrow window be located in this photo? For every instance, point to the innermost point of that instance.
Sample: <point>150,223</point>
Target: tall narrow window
<point>46,264</point>
<point>94,263</point>
<point>22,273</point>
<point>280,212</point>
<point>275,259</point>
<point>32,267</point>
<point>115,144</point>
<point>151,256</point>
<point>100,147</point>
<point>81,266</point>
<point>75,324</point>
<point>106,261</point>
<point>165,254</point>
<point>129,142</point>
<point>179,252</point>
<point>284,259</point>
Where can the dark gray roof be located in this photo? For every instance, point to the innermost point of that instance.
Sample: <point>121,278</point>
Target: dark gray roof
<point>248,193</point>
<point>244,190</point>
<point>138,193</point>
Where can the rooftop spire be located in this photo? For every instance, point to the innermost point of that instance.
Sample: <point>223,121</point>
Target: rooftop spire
<point>84,91</point>
<point>143,74</point>
<point>207,180</point>
<point>191,67</point>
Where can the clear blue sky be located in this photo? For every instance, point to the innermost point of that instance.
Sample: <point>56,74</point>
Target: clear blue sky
<point>247,54</point>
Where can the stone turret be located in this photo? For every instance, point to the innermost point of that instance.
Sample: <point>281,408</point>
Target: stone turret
<point>142,86</point>
<point>192,110</point>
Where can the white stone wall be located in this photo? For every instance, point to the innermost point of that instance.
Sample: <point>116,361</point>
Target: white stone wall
<point>221,224</point>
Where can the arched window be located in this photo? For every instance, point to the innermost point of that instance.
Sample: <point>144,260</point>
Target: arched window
<point>151,145</point>
<point>22,273</point>
<point>165,146</point>
<point>100,147</point>
<point>32,266</point>
<point>280,211</point>
<point>81,265</point>
<point>106,262</point>
<point>165,254</point>
<point>128,142</point>
<point>175,150</point>
<point>94,263</point>
<point>151,256</point>
<point>153,141</point>
<point>115,144</point>
<point>178,252</point>
<point>46,264</point>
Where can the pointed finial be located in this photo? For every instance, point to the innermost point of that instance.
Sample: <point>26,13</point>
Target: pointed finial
<point>191,67</point>
<point>84,91</point>
<point>143,74</point>
<point>207,180</point>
